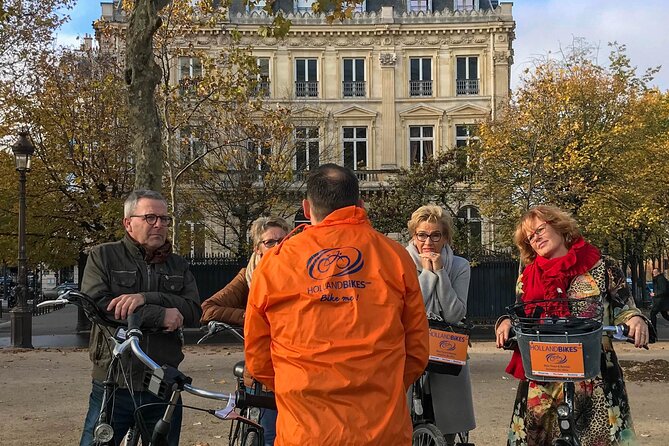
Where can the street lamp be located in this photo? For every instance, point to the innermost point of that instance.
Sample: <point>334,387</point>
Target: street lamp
<point>21,314</point>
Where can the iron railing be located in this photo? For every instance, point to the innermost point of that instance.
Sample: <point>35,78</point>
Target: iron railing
<point>420,88</point>
<point>306,89</point>
<point>353,89</point>
<point>466,86</point>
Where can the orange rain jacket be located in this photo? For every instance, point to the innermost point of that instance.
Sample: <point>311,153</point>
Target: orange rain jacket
<point>335,324</point>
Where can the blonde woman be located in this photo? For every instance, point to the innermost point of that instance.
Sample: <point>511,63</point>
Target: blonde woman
<point>229,304</point>
<point>444,282</point>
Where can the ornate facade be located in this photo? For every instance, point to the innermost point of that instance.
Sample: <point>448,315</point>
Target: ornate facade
<point>398,82</point>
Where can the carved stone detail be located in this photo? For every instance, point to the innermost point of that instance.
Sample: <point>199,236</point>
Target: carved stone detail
<point>387,59</point>
<point>501,57</point>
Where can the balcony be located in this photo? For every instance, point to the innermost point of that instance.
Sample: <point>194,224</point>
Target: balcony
<point>261,89</point>
<point>353,89</point>
<point>466,87</point>
<point>306,89</point>
<point>420,88</point>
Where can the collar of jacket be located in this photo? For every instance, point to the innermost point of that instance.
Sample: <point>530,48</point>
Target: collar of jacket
<point>137,251</point>
<point>133,247</point>
<point>350,215</point>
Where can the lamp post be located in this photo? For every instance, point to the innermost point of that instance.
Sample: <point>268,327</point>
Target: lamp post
<point>21,314</point>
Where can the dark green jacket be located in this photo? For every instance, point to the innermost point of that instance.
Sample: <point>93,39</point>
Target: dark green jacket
<point>119,268</point>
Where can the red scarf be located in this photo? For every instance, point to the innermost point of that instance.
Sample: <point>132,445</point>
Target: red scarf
<point>549,279</point>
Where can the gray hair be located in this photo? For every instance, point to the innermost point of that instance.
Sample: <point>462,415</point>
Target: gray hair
<point>131,202</point>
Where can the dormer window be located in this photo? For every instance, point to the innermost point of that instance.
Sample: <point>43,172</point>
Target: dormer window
<point>466,5</point>
<point>420,5</point>
<point>304,5</point>
<point>258,6</point>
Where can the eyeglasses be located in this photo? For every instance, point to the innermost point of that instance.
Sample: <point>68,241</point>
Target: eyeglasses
<point>151,219</point>
<point>537,232</point>
<point>271,242</point>
<point>423,236</point>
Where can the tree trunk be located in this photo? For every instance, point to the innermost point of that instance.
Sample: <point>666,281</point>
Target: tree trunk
<point>142,75</point>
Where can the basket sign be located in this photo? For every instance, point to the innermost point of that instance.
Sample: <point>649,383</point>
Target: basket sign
<point>448,347</point>
<point>557,359</point>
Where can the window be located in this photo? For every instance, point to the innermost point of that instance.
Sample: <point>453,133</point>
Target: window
<point>306,78</point>
<point>470,218</point>
<point>258,156</point>
<point>355,147</point>
<point>420,81</point>
<point>420,5</point>
<point>354,78</point>
<point>304,5</point>
<point>191,146</point>
<point>190,72</point>
<point>307,152</point>
<point>361,7</point>
<point>466,5</point>
<point>467,81</point>
<point>464,135</point>
<point>262,87</point>
<point>258,6</point>
<point>421,144</point>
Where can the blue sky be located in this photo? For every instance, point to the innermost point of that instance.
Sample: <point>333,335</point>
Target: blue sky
<point>542,26</point>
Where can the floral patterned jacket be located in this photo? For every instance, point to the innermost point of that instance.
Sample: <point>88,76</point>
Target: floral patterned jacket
<point>606,281</point>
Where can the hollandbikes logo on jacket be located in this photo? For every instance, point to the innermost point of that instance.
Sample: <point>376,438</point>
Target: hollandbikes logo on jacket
<point>333,263</point>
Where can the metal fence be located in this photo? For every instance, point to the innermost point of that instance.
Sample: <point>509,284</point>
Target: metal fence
<point>214,272</point>
<point>491,289</point>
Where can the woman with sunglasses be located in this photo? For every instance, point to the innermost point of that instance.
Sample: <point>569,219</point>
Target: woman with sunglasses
<point>561,264</point>
<point>229,304</point>
<point>444,282</point>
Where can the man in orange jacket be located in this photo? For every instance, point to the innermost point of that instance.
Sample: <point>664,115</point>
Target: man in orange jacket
<point>335,324</point>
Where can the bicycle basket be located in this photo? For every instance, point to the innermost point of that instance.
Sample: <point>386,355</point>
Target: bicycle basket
<point>448,347</point>
<point>559,348</point>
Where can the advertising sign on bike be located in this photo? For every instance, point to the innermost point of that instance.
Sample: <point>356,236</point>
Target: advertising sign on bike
<point>448,347</point>
<point>557,360</point>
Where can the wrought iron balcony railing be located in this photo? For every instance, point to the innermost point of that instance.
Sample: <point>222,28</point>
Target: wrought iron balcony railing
<point>420,88</point>
<point>466,86</point>
<point>353,89</point>
<point>306,89</point>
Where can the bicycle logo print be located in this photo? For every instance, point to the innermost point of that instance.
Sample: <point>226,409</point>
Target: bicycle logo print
<point>447,345</point>
<point>334,262</point>
<point>556,358</point>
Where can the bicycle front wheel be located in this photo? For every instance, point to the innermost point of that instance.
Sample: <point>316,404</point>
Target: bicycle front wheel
<point>427,434</point>
<point>252,439</point>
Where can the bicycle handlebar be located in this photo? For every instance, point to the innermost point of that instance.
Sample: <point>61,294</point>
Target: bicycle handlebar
<point>214,327</point>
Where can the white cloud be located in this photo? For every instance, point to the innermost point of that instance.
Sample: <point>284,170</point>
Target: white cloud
<point>547,25</point>
<point>69,40</point>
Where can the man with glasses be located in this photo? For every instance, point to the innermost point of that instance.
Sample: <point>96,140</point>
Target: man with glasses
<point>139,274</point>
<point>335,324</point>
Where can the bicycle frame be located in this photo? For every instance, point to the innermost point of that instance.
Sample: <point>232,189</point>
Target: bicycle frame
<point>249,421</point>
<point>162,381</point>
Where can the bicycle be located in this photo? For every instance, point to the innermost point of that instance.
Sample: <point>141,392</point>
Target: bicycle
<point>242,433</point>
<point>563,349</point>
<point>165,382</point>
<point>448,354</point>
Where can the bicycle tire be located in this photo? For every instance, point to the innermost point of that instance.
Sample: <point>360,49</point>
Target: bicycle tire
<point>427,434</point>
<point>252,439</point>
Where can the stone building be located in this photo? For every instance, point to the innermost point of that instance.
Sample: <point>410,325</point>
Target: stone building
<point>398,82</point>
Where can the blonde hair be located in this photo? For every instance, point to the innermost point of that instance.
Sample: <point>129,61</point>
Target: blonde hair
<point>432,214</point>
<point>262,224</point>
<point>561,221</point>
